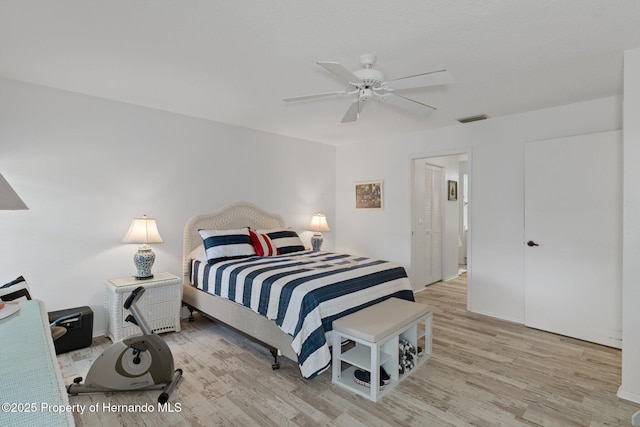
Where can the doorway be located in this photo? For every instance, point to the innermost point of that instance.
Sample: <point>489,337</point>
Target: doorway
<point>440,244</point>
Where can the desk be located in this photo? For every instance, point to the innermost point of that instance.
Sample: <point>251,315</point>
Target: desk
<point>30,378</point>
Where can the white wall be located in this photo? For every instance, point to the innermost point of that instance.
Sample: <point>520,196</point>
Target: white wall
<point>86,166</point>
<point>630,388</point>
<point>496,204</point>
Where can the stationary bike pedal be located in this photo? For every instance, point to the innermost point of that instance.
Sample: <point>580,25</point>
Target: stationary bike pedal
<point>131,319</point>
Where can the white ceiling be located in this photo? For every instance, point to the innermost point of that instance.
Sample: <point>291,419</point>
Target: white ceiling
<point>233,61</point>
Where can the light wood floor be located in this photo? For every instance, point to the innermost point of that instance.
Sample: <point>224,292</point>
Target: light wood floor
<point>483,372</point>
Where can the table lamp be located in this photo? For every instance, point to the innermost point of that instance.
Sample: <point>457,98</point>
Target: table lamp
<point>318,224</point>
<point>143,230</point>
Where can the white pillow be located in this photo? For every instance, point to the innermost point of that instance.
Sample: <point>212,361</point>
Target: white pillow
<point>198,254</point>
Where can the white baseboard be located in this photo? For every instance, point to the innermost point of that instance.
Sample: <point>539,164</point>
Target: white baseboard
<point>497,316</point>
<point>632,397</point>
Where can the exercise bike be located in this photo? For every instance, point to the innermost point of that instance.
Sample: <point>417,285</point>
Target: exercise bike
<point>137,363</point>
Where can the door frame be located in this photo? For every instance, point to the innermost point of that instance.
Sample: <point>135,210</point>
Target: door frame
<point>468,151</point>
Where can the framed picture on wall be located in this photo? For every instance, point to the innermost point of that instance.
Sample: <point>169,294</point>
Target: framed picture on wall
<point>369,195</point>
<point>453,190</point>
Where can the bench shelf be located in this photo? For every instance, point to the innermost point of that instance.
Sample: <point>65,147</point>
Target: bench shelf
<point>376,332</point>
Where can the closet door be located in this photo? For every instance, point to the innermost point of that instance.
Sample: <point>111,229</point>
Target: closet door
<point>573,237</point>
<point>428,224</point>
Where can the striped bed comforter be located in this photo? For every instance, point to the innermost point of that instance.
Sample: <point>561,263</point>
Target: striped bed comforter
<point>304,292</point>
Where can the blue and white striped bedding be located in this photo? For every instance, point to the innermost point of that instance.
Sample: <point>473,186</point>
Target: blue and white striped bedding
<point>304,292</point>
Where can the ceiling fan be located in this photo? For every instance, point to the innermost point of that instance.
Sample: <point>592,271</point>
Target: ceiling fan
<point>369,83</point>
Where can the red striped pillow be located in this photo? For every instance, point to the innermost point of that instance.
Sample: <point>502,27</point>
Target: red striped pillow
<point>263,244</point>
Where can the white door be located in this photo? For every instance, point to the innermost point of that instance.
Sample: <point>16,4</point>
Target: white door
<point>428,224</point>
<point>573,237</point>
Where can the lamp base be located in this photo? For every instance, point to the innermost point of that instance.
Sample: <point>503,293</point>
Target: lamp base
<point>144,260</point>
<point>316,241</point>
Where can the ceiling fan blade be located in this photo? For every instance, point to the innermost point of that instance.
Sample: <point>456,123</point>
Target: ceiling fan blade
<point>407,104</point>
<point>316,95</point>
<point>353,113</point>
<point>421,80</point>
<point>337,69</point>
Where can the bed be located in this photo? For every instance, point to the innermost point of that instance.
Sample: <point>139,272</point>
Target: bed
<point>286,300</point>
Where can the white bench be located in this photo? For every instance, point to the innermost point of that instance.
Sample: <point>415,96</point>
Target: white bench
<point>376,331</point>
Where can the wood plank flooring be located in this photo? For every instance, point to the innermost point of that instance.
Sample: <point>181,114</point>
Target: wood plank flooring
<point>483,372</point>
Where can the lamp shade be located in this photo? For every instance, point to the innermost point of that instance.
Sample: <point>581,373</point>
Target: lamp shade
<point>318,223</point>
<point>9,199</point>
<point>143,230</point>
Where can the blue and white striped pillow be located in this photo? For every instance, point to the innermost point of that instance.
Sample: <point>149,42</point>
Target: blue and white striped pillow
<point>221,245</point>
<point>285,239</point>
<point>17,289</point>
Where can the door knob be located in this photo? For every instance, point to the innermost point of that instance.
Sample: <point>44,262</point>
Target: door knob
<point>532,243</point>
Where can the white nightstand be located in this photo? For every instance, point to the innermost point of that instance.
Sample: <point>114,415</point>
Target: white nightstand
<point>160,304</point>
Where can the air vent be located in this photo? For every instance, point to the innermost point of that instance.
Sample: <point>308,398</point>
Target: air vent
<point>473,118</point>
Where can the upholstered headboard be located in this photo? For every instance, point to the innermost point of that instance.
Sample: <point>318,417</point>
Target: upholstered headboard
<point>234,215</point>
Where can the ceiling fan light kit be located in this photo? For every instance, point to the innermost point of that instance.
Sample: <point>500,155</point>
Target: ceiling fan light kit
<point>367,83</point>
